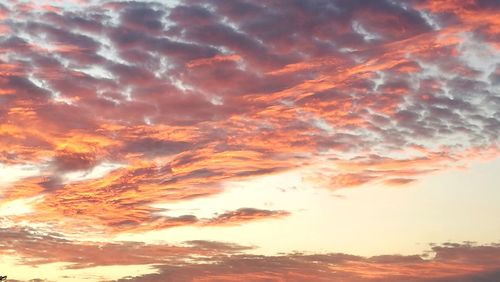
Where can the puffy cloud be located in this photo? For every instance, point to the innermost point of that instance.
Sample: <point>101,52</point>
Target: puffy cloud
<point>188,96</point>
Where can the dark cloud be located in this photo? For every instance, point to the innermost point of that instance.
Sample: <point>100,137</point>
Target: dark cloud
<point>156,147</point>
<point>70,161</point>
<point>142,17</point>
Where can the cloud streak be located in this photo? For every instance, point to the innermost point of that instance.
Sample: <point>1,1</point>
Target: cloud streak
<point>217,261</point>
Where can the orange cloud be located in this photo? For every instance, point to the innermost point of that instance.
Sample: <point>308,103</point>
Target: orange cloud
<point>467,263</point>
<point>216,95</point>
<point>243,215</point>
<point>219,261</point>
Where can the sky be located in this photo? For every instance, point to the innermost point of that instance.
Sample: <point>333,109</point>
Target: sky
<point>273,140</point>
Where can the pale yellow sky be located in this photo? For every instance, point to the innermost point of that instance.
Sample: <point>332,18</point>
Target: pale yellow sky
<point>449,206</point>
<point>454,205</point>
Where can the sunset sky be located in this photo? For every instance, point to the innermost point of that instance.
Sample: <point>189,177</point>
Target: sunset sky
<point>250,140</point>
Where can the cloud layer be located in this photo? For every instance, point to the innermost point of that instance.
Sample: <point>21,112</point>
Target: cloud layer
<point>118,106</point>
<point>216,261</point>
<point>184,98</point>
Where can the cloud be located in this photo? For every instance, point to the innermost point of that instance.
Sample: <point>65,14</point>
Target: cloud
<point>189,96</point>
<point>243,215</point>
<point>200,260</point>
<point>451,263</point>
<point>33,246</point>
